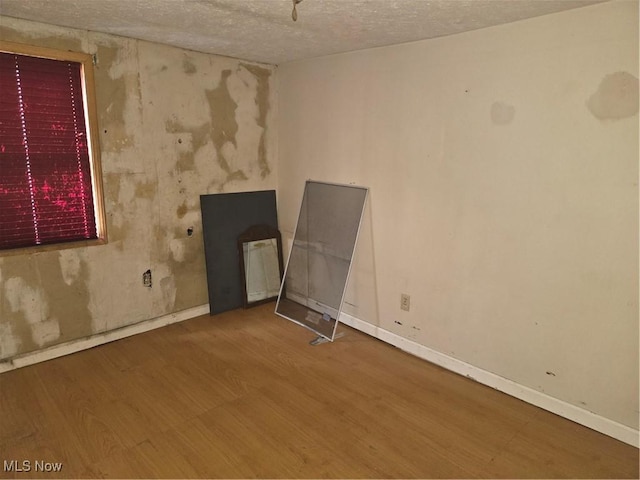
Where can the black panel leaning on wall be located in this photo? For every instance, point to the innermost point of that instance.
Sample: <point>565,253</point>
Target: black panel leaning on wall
<point>224,217</point>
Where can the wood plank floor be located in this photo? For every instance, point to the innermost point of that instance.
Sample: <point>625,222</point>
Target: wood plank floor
<point>243,395</point>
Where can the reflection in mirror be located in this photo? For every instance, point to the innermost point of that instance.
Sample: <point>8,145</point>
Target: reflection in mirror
<point>261,266</point>
<point>262,277</point>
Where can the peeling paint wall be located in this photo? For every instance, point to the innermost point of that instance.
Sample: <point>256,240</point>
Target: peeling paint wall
<point>503,167</point>
<point>173,125</point>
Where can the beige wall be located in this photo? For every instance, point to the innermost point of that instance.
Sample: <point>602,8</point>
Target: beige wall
<point>503,167</point>
<point>173,125</point>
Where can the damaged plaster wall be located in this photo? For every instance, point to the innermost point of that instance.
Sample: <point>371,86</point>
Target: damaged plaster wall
<point>173,124</point>
<point>503,167</point>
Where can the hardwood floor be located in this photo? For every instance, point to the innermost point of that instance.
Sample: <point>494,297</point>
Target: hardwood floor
<point>243,395</point>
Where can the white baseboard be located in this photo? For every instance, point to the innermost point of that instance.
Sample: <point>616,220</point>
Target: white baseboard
<point>74,346</point>
<point>559,407</point>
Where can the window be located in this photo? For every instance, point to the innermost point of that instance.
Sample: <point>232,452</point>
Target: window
<point>50,181</point>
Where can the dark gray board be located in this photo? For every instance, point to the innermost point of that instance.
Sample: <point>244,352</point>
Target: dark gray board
<point>224,217</point>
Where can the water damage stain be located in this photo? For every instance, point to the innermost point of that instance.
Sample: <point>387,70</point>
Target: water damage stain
<point>187,283</point>
<point>188,66</point>
<point>111,97</point>
<point>224,126</point>
<point>616,97</point>
<point>262,100</point>
<point>63,300</point>
<point>182,210</point>
<point>60,42</point>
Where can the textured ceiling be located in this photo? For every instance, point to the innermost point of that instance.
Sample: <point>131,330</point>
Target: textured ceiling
<point>263,30</point>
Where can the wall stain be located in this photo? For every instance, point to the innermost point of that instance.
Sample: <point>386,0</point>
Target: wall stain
<point>224,127</point>
<point>58,42</point>
<point>188,66</point>
<point>186,161</point>
<point>223,118</point>
<point>146,190</point>
<point>237,175</point>
<point>117,226</point>
<point>73,315</point>
<point>63,302</point>
<point>22,268</point>
<point>200,136</point>
<point>262,100</point>
<point>111,186</point>
<point>61,281</point>
<point>24,272</point>
<point>616,97</point>
<point>118,230</point>
<point>502,113</point>
<point>188,275</point>
<point>111,98</point>
<point>182,210</point>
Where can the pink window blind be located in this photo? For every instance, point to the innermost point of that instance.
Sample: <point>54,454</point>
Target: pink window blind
<point>45,173</point>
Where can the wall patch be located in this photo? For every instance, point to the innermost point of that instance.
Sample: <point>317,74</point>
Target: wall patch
<point>502,113</point>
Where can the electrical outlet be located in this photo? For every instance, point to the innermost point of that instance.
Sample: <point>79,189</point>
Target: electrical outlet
<point>405,302</point>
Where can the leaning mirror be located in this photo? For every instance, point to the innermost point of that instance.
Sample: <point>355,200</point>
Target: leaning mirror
<point>261,265</point>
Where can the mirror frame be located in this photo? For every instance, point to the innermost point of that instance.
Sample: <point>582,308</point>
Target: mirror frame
<point>253,234</point>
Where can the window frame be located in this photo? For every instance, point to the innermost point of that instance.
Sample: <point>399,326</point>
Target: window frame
<point>93,145</point>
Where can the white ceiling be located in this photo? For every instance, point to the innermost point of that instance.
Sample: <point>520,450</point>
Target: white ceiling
<point>263,30</point>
